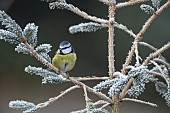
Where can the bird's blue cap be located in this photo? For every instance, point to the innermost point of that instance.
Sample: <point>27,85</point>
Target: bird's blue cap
<point>64,44</point>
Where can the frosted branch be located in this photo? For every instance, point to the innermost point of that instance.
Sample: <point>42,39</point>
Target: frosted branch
<point>21,48</point>
<point>70,7</point>
<point>142,32</point>
<point>30,32</point>
<point>139,101</point>
<point>43,48</point>
<point>147,9</point>
<point>47,76</point>
<point>124,28</point>
<point>156,3</point>
<point>26,107</point>
<point>90,78</point>
<point>163,62</point>
<point>140,76</point>
<point>104,1</point>
<point>86,27</point>
<point>10,24</point>
<point>9,36</point>
<point>53,99</point>
<point>148,45</point>
<point>157,53</point>
<point>130,2</point>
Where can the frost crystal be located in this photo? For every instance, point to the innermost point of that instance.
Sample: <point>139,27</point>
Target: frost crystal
<point>45,56</point>
<point>30,32</point>
<point>167,97</point>
<point>85,27</point>
<point>98,110</point>
<point>156,3</point>
<point>9,36</point>
<point>116,84</point>
<point>104,85</point>
<point>164,70</point>
<point>161,87</point>
<point>43,50</point>
<point>21,48</point>
<point>27,107</point>
<point>11,25</point>
<point>140,79</point>
<point>48,76</point>
<point>59,5</point>
<point>147,9</point>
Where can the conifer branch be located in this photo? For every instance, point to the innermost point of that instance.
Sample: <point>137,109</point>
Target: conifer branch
<point>156,54</point>
<point>141,33</point>
<point>53,99</point>
<point>130,2</point>
<point>72,8</point>
<point>124,28</point>
<point>161,72</point>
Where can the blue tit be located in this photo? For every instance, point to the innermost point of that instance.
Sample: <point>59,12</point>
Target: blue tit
<point>65,57</point>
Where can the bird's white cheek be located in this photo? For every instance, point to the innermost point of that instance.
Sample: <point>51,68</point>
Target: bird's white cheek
<point>67,50</point>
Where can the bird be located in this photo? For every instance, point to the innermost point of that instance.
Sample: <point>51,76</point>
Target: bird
<point>65,57</point>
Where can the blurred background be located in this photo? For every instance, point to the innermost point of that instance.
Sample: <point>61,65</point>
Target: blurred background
<point>91,49</point>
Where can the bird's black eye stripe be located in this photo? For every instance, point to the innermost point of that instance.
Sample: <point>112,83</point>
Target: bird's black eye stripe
<point>60,50</point>
<point>65,47</point>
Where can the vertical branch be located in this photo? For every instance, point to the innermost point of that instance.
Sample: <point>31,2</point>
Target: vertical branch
<point>116,103</point>
<point>112,8</point>
<point>111,37</point>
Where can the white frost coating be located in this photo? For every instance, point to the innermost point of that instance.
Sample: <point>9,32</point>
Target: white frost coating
<point>85,27</point>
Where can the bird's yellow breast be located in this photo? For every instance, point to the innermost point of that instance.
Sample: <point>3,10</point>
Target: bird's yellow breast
<point>64,62</point>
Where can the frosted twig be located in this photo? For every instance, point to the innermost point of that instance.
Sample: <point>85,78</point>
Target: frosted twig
<point>148,45</point>
<point>151,47</point>
<point>130,2</point>
<point>85,95</point>
<point>150,20</point>
<point>157,53</point>
<point>163,62</point>
<point>159,74</point>
<point>161,71</point>
<point>100,102</point>
<point>124,28</point>
<point>137,54</point>
<point>139,101</point>
<point>125,89</point>
<point>53,99</point>
<point>128,59</point>
<point>85,15</point>
<point>105,105</point>
<point>111,61</point>
<point>141,33</point>
<point>104,1</point>
<point>90,78</point>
